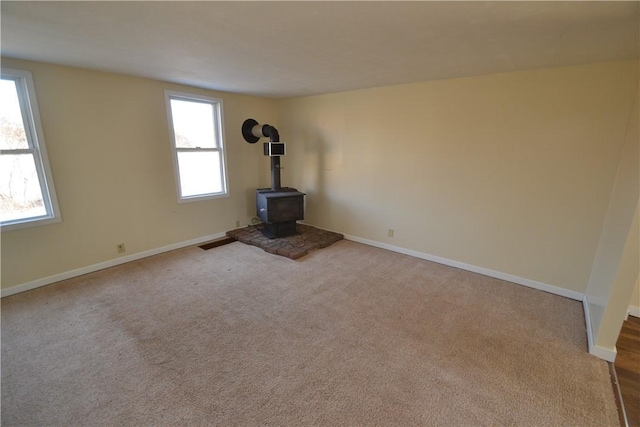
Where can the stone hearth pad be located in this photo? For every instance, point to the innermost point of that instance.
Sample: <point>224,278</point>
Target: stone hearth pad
<point>294,247</point>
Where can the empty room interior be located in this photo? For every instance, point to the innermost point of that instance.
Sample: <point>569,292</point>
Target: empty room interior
<point>475,166</point>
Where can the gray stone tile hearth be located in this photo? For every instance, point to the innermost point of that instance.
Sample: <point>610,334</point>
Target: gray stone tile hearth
<point>294,247</point>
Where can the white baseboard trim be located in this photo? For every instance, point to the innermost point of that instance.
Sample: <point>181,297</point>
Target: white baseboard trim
<point>603,353</point>
<point>608,354</point>
<point>634,311</point>
<point>102,265</point>
<point>472,268</point>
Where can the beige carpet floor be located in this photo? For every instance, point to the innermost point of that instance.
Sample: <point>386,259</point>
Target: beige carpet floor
<point>348,336</point>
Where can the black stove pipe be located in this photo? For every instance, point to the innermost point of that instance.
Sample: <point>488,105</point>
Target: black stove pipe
<point>252,131</point>
<point>271,132</point>
<point>274,136</point>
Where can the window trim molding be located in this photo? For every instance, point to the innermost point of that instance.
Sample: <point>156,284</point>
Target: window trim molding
<point>34,129</point>
<point>218,109</point>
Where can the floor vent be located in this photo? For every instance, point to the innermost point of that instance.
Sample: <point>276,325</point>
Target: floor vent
<point>216,243</point>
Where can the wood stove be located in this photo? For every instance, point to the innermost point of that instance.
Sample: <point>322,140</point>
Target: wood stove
<point>279,210</point>
<point>277,207</point>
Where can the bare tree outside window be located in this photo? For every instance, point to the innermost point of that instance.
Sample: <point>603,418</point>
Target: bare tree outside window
<point>197,145</point>
<point>24,192</point>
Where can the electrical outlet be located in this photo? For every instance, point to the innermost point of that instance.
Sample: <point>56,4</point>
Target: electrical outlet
<point>238,224</point>
<point>120,248</point>
<point>390,232</point>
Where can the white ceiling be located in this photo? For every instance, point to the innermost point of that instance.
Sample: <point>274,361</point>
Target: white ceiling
<point>283,49</point>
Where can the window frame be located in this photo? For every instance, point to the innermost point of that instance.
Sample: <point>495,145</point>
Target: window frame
<point>36,147</point>
<point>218,122</point>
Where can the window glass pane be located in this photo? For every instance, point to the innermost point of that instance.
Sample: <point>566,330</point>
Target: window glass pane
<point>20,193</point>
<point>193,124</point>
<point>199,172</point>
<point>12,134</point>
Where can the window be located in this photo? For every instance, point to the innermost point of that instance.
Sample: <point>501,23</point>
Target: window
<point>195,124</point>
<point>27,194</point>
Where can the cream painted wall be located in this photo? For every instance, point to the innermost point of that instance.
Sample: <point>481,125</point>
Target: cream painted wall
<point>109,150</point>
<point>634,306</point>
<point>617,305</point>
<point>510,172</point>
<point>615,267</point>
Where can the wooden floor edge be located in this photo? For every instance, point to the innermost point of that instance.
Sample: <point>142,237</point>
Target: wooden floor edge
<point>622,414</point>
